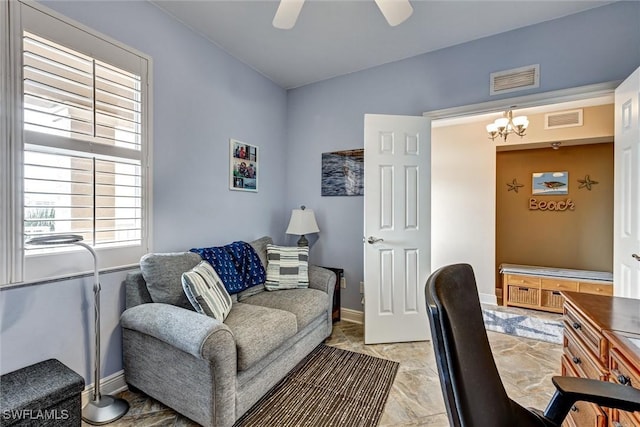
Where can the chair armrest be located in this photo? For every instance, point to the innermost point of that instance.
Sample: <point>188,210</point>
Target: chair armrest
<point>603,393</point>
<point>199,335</point>
<point>321,279</point>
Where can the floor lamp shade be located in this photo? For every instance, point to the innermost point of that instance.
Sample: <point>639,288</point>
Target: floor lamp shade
<point>303,221</point>
<point>101,409</point>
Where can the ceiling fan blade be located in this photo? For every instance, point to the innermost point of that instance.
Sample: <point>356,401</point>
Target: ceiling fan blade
<point>287,14</point>
<point>395,11</point>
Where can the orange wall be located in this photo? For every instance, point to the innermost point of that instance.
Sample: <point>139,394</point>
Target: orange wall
<point>580,239</point>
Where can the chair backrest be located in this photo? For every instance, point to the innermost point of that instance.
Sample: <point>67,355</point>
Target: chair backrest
<point>471,385</point>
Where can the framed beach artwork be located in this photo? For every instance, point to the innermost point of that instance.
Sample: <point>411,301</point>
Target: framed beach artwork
<point>243,166</point>
<point>549,183</point>
<point>343,173</point>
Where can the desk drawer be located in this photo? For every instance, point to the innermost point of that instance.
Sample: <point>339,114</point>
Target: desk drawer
<point>581,414</point>
<point>624,419</point>
<point>594,341</point>
<point>584,414</point>
<point>585,364</point>
<point>622,371</point>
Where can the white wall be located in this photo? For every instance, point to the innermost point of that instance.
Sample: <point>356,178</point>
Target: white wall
<point>463,176</point>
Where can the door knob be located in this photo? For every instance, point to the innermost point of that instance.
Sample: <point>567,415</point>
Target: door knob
<point>371,240</point>
<point>636,256</point>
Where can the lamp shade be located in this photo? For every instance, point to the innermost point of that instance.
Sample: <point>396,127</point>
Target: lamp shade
<point>302,221</point>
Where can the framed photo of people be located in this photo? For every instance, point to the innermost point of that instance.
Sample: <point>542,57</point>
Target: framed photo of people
<point>243,166</point>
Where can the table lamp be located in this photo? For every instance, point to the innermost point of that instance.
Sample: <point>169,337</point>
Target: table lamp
<point>302,222</point>
<point>100,409</point>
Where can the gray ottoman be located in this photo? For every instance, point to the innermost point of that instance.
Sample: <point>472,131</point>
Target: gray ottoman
<point>45,394</point>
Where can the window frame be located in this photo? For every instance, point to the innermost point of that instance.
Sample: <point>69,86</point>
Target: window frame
<point>16,268</point>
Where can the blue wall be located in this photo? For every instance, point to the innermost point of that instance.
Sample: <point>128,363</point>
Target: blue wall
<point>201,97</point>
<point>595,46</point>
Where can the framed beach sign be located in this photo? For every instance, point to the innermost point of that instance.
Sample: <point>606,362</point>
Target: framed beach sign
<point>243,166</point>
<point>549,183</point>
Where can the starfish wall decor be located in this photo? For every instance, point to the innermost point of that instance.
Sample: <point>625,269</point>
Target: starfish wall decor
<point>586,182</point>
<point>514,185</point>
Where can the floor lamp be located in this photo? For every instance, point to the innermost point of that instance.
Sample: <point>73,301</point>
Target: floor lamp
<point>101,409</point>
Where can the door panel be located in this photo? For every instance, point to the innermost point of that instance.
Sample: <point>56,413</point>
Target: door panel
<point>626,240</point>
<point>396,227</point>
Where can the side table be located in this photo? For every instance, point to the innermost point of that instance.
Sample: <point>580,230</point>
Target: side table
<point>339,272</point>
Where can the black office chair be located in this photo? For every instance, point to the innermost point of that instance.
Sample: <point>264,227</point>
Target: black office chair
<point>472,388</point>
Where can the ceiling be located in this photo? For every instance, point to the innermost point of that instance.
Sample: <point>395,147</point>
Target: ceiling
<point>333,38</point>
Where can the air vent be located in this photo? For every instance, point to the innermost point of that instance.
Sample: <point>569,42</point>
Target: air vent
<point>563,119</point>
<point>514,80</point>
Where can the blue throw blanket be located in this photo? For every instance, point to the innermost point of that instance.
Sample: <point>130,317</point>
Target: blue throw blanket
<point>237,264</point>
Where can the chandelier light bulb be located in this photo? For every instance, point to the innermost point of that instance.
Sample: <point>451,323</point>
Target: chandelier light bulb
<point>502,123</point>
<point>508,124</point>
<point>520,121</point>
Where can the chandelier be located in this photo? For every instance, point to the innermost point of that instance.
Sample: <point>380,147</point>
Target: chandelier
<point>503,126</point>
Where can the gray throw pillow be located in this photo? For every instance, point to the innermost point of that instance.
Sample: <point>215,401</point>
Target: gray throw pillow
<point>163,274</point>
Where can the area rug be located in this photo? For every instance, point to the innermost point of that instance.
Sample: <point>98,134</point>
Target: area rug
<point>330,387</point>
<point>523,326</point>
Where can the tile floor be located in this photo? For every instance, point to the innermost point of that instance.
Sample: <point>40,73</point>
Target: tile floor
<point>526,367</point>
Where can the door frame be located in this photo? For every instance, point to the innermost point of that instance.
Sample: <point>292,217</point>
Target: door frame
<point>581,93</point>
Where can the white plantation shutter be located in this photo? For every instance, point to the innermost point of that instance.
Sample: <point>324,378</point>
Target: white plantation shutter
<point>85,145</point>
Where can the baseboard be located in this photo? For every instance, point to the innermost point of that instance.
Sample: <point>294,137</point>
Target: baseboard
<point>353,316</point>
<point>112,384</point>
<point>490,299</point>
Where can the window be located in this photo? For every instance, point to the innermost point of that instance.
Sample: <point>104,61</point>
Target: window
<point>83,160</point>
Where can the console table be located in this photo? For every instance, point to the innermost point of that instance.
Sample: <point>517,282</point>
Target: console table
<point>601,341</point>
<point>540,288</point>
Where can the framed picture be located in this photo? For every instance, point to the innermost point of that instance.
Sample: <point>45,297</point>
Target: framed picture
<point>549,183</point>
<point>343,173</point>
<point>243,166</point>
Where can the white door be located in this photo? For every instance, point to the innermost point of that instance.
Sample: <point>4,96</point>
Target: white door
<point>626,223</point>
<point>397,221</point>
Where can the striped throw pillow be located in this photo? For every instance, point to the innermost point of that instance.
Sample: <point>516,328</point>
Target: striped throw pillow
<point>287,267</point>
<point>206,292</point>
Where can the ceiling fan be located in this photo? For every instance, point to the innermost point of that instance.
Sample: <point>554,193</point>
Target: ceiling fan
<point>394,11</point>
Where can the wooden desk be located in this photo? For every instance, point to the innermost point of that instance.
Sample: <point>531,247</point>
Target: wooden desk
<point>598,343</point>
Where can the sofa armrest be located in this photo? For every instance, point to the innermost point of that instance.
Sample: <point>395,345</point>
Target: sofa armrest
<point>199,335</point>
<point>322,279</point>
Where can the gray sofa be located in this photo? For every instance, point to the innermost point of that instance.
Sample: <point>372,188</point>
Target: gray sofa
<point>209,371</point>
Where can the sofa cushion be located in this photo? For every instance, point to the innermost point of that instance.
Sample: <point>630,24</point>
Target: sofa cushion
<point>260,246</point>
<point>287,267</point>
<point>305,304</point>
<point>258,331</point>
<point>206,292</point>
<point>163,274</point>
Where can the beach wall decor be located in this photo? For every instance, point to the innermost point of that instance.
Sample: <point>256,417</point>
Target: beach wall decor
<point>549,183</point>
<point>343,173</point>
